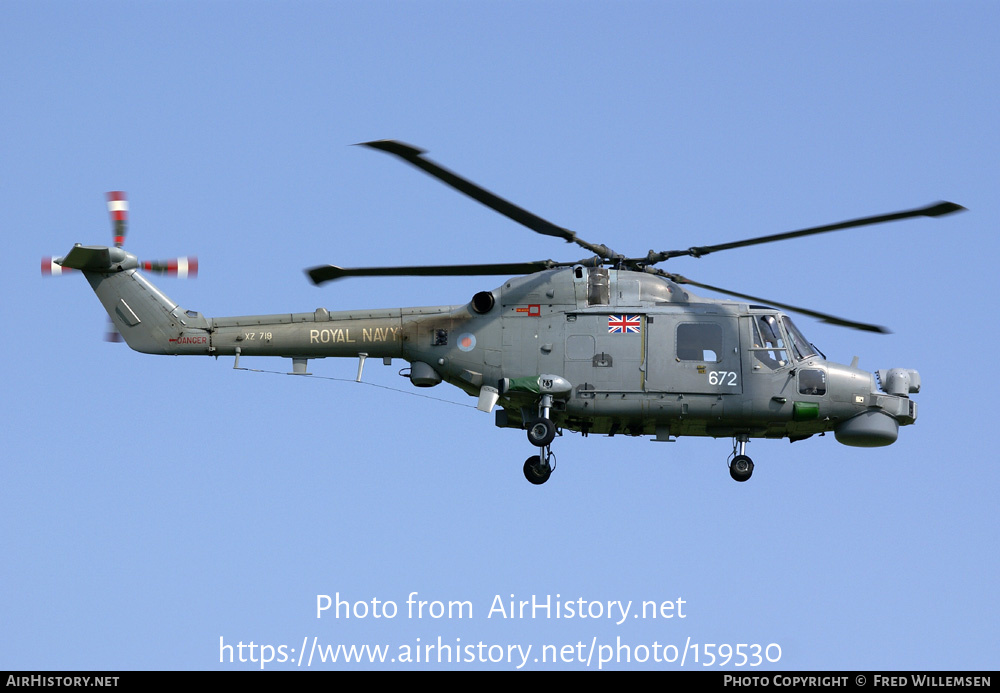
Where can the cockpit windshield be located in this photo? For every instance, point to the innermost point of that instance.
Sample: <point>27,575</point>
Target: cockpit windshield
<point>800,345</point>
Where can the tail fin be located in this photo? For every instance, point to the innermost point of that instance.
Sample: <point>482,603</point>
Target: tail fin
<point>145,317</point>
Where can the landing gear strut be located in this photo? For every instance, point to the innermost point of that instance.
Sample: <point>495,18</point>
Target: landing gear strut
<point>541,433</point>
<point>741,466</point>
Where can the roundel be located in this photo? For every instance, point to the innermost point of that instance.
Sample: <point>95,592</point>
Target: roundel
<point>466,342</point>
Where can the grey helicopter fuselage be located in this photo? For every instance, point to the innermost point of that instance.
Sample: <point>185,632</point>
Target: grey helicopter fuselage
<point>615,352</point>
<point>609,344</point>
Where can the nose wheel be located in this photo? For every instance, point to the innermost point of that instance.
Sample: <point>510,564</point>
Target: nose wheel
<point>538,468</point>
<point>541,432</point>
<point>741,466</point>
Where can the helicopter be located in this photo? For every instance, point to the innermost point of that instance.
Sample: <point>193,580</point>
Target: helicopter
<point>606,345</point>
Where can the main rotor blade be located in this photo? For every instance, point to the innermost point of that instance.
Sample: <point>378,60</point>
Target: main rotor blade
<point>937,209</point>
<point>326,273</point>
<point>510,210</point>
<point>824,317</point>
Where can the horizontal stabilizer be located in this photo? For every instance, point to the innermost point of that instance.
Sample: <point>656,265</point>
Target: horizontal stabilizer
<point>91,258</point>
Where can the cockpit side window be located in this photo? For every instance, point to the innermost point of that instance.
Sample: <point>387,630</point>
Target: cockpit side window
<point>768,343</point>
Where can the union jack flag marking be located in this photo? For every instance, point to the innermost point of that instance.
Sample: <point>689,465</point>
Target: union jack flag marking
<point>624,324</point>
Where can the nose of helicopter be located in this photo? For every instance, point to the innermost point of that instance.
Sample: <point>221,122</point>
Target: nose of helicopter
<point>887,410</point>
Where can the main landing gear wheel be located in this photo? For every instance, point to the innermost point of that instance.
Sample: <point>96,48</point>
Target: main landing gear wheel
<point>541,432</point>
<point>741,468</point>
<point>536,471</point>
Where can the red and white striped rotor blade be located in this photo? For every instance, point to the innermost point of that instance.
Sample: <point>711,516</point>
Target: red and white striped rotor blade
<point>183,267</point>
<point>118,209</point>
<point>51,267</point>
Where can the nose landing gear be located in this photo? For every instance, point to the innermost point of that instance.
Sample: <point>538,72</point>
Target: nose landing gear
<point>541,433</point>
<point>741,466</point>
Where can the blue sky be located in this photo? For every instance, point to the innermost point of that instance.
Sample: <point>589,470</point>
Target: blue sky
<point>151,506</point>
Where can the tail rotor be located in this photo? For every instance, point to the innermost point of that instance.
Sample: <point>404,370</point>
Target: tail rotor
<point>118,209</point>
<point>185,266</point>
<point>52,268</point>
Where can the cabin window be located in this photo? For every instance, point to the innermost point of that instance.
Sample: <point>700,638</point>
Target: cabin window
<point>598,287</point>
<point>699,341</point>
